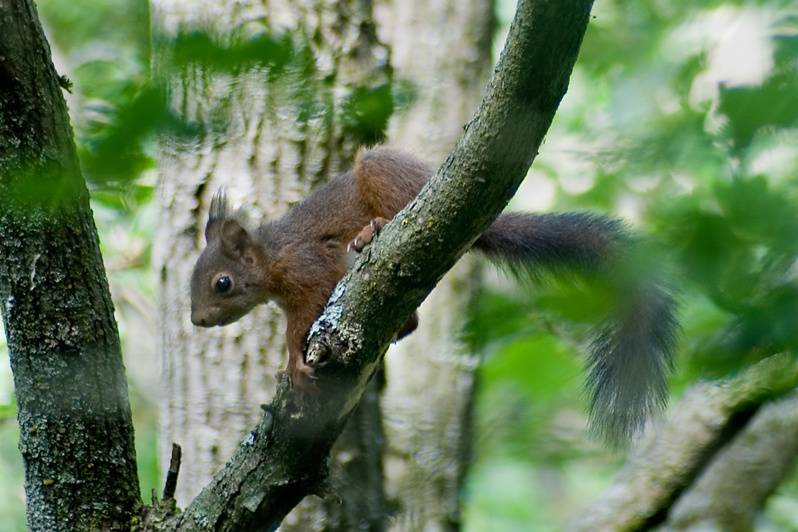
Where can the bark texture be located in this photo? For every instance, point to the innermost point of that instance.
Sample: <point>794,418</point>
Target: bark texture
<point>76,434</point>
<point>268,154</point>
<point>689,474</point>
<point>282,459</point>
<point>757,460</point>
<point>442,48</point>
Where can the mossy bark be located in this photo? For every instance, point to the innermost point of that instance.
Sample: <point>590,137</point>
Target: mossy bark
<point>76,434</point>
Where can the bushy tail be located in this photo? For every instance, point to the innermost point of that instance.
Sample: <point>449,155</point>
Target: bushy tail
<point>631,356</point>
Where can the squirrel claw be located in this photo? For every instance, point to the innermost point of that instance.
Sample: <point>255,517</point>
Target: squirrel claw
<point>366,235</point>
<point>307,386</point>
<point>303,378</point>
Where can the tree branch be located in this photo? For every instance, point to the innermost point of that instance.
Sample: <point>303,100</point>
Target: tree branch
<point>284,458</point>
<point>702,445</point>
<point>759,458</point>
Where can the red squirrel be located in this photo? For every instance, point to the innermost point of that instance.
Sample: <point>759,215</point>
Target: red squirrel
<point>297,260</point>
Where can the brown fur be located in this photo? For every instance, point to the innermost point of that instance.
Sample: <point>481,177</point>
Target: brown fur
<point>297,260</point>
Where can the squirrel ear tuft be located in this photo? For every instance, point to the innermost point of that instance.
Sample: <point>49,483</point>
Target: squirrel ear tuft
<point>235,239</point>
<point>216,215</point>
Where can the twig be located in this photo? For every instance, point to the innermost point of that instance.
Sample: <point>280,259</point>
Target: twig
<point>174,471</point>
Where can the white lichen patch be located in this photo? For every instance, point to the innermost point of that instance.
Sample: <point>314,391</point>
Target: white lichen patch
<point>252,502</point>
<point>33,271</point>
<point>339,291</point>
<point>249,441</point>
<point>332,313</point>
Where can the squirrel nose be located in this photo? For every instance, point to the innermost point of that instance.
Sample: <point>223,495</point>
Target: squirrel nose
<point>198,319</point>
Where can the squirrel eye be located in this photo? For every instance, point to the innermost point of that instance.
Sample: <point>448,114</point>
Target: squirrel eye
<point>223,284</point>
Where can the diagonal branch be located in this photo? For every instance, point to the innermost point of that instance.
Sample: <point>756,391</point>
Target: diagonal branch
<point>284,458</point>
<point>760,458</point>
<point>683,471</point>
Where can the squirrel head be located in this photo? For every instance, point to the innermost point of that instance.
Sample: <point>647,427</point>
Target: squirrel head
<point>227,281</point>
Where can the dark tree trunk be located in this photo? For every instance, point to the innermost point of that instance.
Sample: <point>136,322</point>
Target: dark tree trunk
<point>76,433</point>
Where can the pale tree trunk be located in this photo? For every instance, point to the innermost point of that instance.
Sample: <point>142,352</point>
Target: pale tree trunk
<point>281,460</point>
<point>267,159</point>
<point>442,47</point>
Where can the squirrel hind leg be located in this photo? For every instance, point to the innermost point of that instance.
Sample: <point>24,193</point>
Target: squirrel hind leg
<point>410,325</point>
<point>301,377</point>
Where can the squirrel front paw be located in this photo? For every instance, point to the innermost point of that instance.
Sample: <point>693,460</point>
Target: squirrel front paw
<point>366,235</point>
<point>301,377</point>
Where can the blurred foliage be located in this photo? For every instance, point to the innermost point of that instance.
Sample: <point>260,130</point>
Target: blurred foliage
<point>115,142</point>
<point>681,118</point>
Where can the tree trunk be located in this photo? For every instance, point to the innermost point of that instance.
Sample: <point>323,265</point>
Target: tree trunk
<point>443,47</point>
<point>267,157</point>
<point>76,434</point>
